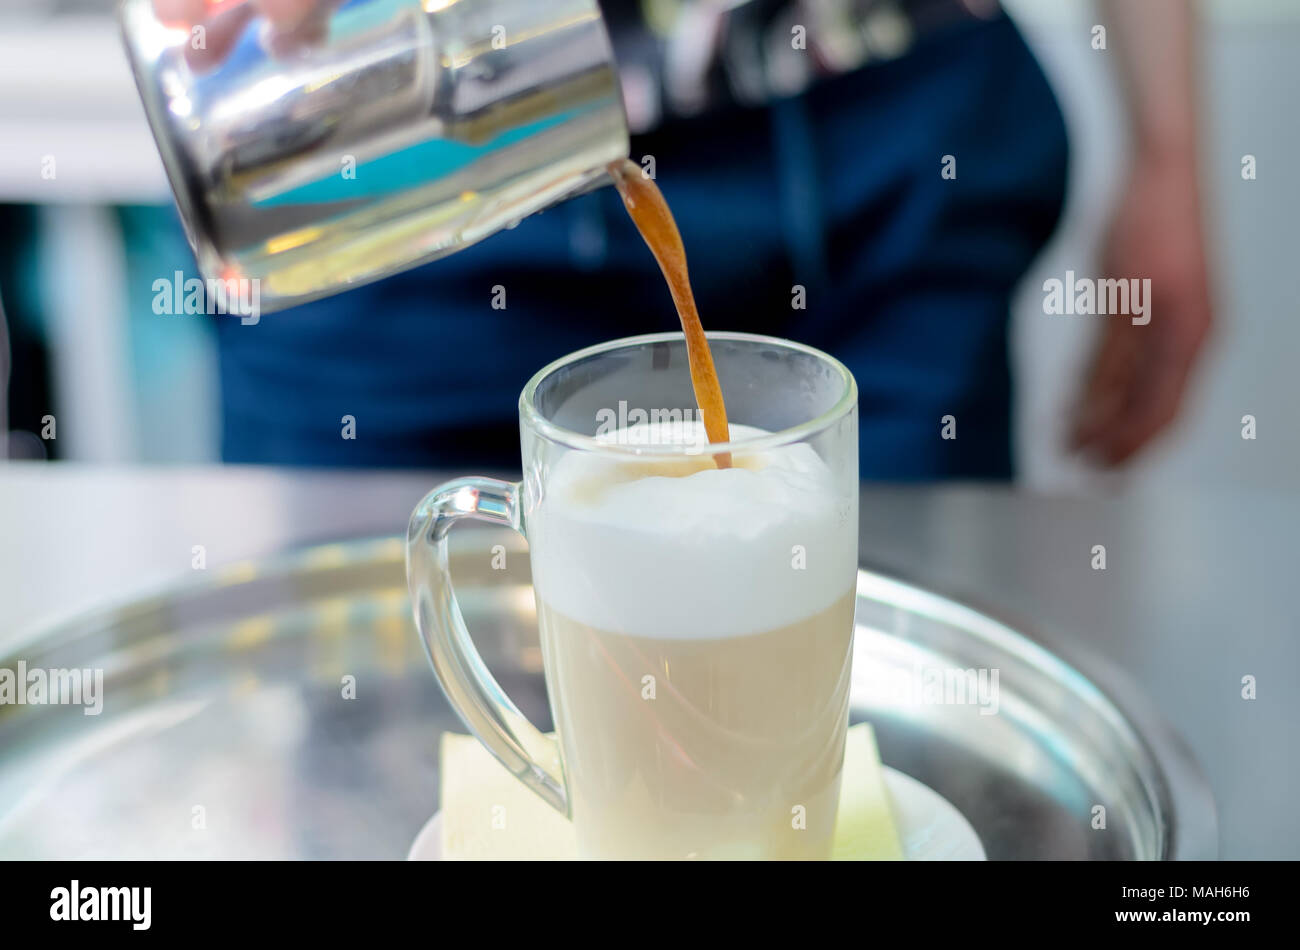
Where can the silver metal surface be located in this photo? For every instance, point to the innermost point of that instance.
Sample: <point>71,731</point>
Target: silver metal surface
<point>226,731</point>
<point>378,135</point>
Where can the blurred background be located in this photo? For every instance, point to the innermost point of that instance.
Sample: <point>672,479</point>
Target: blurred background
<point>79,249</point>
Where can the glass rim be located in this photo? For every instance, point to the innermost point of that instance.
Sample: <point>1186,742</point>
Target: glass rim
<point>531,416</point>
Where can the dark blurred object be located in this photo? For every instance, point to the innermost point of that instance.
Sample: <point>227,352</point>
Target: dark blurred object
<point>25,392</point>
<point>680,59</point>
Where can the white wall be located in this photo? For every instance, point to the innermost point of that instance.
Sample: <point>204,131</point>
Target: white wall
<point>1250,79</point>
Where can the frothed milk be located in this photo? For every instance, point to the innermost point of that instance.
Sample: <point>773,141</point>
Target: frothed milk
<point>697,624</point>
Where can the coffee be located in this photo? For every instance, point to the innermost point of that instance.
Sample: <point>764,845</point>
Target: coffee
<point>696,626</point>
<point>695,606</point>
<point>649,212</point>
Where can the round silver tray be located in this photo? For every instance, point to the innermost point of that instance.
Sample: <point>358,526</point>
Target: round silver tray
<point>226,731</point>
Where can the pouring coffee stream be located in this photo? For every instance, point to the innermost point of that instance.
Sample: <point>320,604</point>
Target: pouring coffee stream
<point>513,129</point>
<point>649,211</point>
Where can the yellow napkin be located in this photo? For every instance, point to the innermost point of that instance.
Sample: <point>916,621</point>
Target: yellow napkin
<point>488,814</point>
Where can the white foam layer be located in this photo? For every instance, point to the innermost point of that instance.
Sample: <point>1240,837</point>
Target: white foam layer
<point>682,549</point>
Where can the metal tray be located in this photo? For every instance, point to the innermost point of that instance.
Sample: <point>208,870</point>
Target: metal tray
<point>225,732</point>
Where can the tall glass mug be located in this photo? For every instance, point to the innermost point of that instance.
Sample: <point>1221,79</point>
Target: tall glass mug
<point>696,621</point>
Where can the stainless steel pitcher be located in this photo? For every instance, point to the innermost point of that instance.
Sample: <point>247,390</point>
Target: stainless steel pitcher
<point>369,136</point>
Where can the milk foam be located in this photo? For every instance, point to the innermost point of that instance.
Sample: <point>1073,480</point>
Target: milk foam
<point>680,549</point>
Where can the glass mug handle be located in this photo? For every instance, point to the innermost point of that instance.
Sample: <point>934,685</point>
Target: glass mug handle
<point>531,755</point>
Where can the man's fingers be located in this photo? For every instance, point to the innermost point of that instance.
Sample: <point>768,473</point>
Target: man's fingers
<point>180,12</point>
<point>292,24</point>
<point>284,15</point>
<point>1154,408</point>
<point>1157,396</point>
<point>295,25</point>
<point>287,15</point>
<point>1107,386</point>
<point>219,36</point>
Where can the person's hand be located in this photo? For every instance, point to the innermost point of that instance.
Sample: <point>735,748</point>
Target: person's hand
<point>1138,377</point>
<point>290,24</point>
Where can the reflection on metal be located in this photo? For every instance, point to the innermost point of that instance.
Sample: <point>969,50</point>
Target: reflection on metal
<point>229,695</point>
